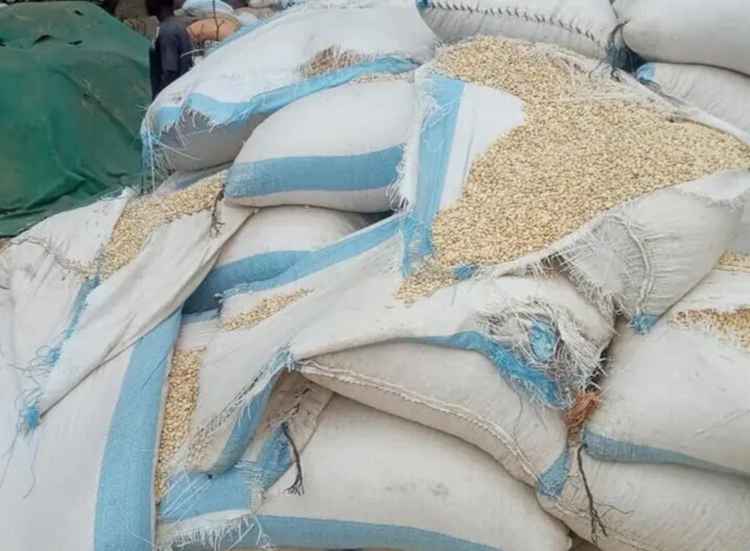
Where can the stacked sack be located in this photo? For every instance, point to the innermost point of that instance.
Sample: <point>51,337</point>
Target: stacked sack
<point>696,53</point>
<point>202,119</point>
<point>663,463</point>
<point>276,359</point>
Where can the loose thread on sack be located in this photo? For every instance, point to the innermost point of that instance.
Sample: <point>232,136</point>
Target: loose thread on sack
<point>596,521</point>
<point>216,224</point>
<point>297,487</point>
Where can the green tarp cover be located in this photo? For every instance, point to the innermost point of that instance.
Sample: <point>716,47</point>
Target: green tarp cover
<point>74,85</point>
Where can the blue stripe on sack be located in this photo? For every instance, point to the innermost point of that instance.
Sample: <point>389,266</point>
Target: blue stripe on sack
<point>552,482</point>
<point>436,142</point>
<point>543,340</point>
<point>643,323</point>
<point>606,449</point>
<point>377,169</point>
<point>246,270</point>
<point>317,533</point>
<point>195,494</point>
<point>222,113</point>
<point>646,73</point>
<point>510,365</point>
<point>30,414</point>
<point>245,429</point>
<point>343,250</point>
<point>164,118</point>
<point>125,500</point>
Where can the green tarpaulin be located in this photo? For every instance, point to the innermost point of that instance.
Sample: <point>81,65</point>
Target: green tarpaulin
<point>73,88</point>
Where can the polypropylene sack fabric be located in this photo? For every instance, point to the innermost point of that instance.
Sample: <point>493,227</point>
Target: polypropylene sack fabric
<point>345,151</point>
<point>86,473</point>
<point>677,395</point>
<point>584,26</point>
<point>409,503</point>
<point>720,92</point>
<point>203,118</point>
<point>651,507</point>
<point>687,31</point>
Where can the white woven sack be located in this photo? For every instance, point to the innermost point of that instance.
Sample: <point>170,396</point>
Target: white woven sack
<point>688,31</point>
<point>370,480</point>
<point>647,254</point>
<point>456,391</point>
<point>346,295</point>
<point>269,243</point>
<point>719,92</point>
<point>641,256</point>
<point>652,507</point>
<point>69,320</point>
<point>247,357</point>
<point>203,118</point>
<point>86,473</point>
<point>344,151</point>
<point>678,394</point>
<point>456,360</point>
<point>583,26</point>
<point>205,8</point>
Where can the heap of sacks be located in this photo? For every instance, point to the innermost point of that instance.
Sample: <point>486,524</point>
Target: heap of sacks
<point>488,296</point>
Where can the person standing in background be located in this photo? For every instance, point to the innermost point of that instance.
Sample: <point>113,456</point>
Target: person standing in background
<point>170,55</point>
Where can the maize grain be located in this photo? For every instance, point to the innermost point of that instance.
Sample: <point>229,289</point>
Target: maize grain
<point>732,327</point>
<point>734,262</point>
<point>140,218</point>
<point>430,277</point>
<point>408,76</point>
<point>182,395</point>
<point>588,144</point>
<point>330,59</point>
<point>265,309</point>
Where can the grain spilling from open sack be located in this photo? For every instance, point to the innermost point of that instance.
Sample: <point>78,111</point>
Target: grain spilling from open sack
<point>734,262</point>
<point>140,218</point>
<point>182,395</point>
<point>265,309</point>
<point>587,145</point>
<point>732,327</point>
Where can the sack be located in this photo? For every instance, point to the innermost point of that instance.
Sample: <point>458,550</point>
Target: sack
<point>86,472</point>
<point>203,118</point>
<point>352,293</point>
<point>688,31</point>
<point>486,361</point>
<point>268,314</point>
<point>205,8</point>
<point>677,395</point>
<point>367,484</point>
<point>213,29</point>
<point>486,189</point>
<point>719,92</point>
<point>652,507</point>
<point>85,285</point>
<point>344,152</point>
<point>583,26</point>
<point>268,244</point>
